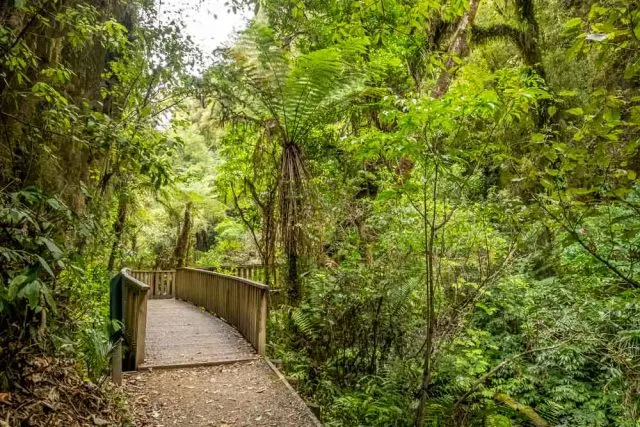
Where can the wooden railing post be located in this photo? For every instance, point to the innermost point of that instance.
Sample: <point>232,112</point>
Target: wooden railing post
<point>154,284</point>
<point>262,323</point>
<point>116,363</point>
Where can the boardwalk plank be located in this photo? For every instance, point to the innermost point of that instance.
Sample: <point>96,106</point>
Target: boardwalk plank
<point>181,333</point>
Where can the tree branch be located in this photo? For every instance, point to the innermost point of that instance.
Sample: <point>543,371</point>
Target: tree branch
<point>246,222</point>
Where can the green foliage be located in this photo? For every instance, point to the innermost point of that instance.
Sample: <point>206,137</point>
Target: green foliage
<point>529,181</point>
<point>81,103</point>
<point>96,349</point>
<point>453,194</point>
<point>30,254</point>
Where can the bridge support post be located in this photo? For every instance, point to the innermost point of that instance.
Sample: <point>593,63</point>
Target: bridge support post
<point>142,328</point>
<point>262,327</point>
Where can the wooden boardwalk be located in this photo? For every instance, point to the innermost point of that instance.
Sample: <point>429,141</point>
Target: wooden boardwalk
<point>181,334</point>
<point>220,375</point>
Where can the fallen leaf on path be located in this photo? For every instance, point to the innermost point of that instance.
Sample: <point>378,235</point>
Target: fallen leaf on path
<point>99,421</point>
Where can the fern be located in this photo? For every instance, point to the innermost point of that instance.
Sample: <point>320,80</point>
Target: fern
<point>287,95</point>
<point>304,322</point>
<point>96,349</point>
<point>297,92</point>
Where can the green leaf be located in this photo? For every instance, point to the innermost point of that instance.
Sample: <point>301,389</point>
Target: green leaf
<point>577,111</point>
<point>568,93</point>
<point>537,138</point>
<point>53,248</point>
<point>32,293</point>
<point>580,191</point>
<point>15,285</point>
<point>48,297</point>
<point>387,195</point>
<point>632,70</point>
<point>573,23</point>
<point>45,265</point>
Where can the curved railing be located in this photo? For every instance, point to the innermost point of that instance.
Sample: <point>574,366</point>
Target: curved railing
<point>254,272</point>
<point>241,302</point>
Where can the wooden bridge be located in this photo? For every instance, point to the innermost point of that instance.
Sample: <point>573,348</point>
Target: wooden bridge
<point>165,326</point>
<point>191,320</point>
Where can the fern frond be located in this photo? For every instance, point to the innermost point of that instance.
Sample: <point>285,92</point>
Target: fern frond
<point>296,92</point>
<point>304,322</point>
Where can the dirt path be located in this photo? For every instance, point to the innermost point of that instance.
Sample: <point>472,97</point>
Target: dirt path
<point>243,394</point>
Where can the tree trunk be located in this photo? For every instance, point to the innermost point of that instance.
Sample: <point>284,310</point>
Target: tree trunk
<point>458,47</point>
<point>293,279</point>
<point>182,246</point>
<point>526,411</point>
<point>269,241</point>
<point>118,228</point>
<point>293,213</point>
<point>429,230</point>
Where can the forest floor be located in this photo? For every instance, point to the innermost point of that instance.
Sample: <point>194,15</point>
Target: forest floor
<point>51,391</point>
<point>242,394</point>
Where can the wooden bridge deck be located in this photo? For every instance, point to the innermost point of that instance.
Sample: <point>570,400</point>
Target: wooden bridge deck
<point>181,334</point>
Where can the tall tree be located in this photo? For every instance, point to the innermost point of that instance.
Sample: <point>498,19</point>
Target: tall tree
<point>184,237</point>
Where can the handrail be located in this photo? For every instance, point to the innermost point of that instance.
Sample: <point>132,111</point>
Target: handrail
<point>239,301</point>
<point>135,295</point>
<point>128,275</point>
<point>232,266</point>
<point>228,276</point>
<point>254,272</point>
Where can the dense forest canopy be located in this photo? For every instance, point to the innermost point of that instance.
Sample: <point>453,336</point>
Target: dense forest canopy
<point>444,193</point>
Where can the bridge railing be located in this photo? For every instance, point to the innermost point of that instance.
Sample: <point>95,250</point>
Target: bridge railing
<point>254,272</point>
<point>257,273</point>
<point>135,294</point>
<point>161,282</point>
<point>239,301</point>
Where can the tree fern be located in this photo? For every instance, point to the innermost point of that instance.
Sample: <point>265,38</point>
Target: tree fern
<point>287,96</point>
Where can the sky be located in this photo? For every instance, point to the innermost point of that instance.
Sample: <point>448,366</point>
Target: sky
<point>199,16</point>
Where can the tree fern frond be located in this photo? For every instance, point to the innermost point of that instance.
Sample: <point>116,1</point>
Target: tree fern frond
<point>263,67</point>
<point>297,92</point>
<point>314,82</point>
